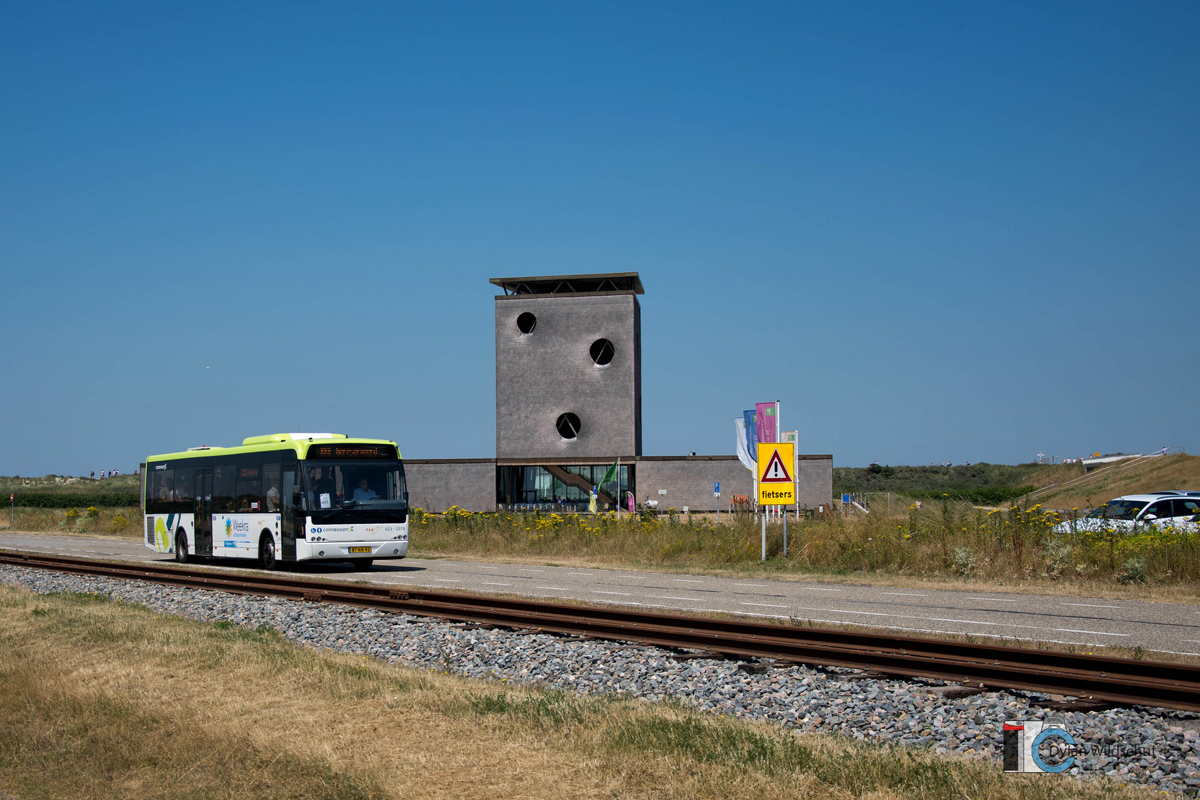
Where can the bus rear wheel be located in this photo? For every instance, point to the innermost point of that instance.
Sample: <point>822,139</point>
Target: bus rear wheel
<point>362,563</point>
<point>181,553</point>
<point>266,552</point>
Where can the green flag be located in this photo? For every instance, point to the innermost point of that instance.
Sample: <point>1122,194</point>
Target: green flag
<point>610,475</point>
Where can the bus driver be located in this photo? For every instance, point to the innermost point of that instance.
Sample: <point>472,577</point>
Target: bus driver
<point>363,493</point>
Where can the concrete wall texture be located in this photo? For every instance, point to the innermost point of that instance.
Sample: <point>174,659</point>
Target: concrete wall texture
<point>549,372</point>
<point>689,480</point>
<point>435,485</point>
<point>814,480</point>
<point>470,484</point>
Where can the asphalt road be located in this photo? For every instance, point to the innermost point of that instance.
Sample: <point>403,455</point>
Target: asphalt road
<point>1173,627</point>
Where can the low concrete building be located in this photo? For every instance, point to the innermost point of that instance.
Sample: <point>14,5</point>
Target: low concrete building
<point>477,484</point>
<point>438,484</point>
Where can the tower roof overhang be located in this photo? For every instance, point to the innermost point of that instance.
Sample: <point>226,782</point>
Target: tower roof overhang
<point>624,282</point>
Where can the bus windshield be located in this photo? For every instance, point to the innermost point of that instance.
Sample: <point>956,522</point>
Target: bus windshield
<point>350,484</point>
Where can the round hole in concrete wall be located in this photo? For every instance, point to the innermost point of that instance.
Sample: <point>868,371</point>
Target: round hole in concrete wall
<point>602,352</point>
<point>526,322</point>
<point>568,425</point>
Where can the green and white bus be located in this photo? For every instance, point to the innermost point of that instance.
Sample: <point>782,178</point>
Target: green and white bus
<point>283,497</point>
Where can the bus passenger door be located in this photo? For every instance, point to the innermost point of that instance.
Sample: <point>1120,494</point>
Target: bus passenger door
<point>287,511</point>
<point>204,490</point>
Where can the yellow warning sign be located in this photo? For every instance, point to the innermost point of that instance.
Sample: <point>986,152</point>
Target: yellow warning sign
<point>776,484</point>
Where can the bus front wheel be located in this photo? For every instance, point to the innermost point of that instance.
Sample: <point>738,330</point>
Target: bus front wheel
<point>266,552</point>
<point>181,553</point>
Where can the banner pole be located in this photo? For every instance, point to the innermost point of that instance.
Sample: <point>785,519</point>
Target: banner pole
<point>784,510</point>
<point>764,535</point>
<point>778,428</point>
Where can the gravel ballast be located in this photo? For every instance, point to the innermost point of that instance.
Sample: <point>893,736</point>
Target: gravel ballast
<point>1137,745</point>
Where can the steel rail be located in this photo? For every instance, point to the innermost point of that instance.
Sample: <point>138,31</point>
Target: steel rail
<point>1102,678</point>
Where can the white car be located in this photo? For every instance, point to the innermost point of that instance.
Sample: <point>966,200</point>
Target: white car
<point>1177,511</point>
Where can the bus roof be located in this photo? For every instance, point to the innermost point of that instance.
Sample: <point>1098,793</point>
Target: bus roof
<point>297,442</point>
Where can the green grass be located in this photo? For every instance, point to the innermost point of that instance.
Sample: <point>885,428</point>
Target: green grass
<point>731,752</point>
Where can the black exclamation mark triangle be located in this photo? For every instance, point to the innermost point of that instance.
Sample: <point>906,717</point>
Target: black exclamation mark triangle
<point>776,472</point>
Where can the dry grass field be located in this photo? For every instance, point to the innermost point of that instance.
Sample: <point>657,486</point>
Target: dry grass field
<point>119,523</point>
<point>101,699</point>
<point>947,543</point>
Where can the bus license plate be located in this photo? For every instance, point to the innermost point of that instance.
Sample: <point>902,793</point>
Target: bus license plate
<point>360,549</point>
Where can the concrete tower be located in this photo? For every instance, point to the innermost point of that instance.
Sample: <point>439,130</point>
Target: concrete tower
<point>569,368</point>
<point>569,415</point>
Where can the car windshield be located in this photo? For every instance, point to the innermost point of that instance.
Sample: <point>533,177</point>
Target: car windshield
<point>339,484</point>
<point>1119,509</point>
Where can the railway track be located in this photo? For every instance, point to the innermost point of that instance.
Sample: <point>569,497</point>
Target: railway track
<point>1090,678</point>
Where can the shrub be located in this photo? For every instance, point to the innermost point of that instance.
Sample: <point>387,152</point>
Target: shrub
<point>1058,555</point>
<point>1133,571</point>
<point>965,561</point>
<point>65,500</point>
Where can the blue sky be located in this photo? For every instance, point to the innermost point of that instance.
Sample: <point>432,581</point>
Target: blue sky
<point>957,231</point>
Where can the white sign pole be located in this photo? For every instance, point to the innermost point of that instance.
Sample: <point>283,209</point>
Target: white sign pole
<point>777,426</point>
<point>764,535</point>
<point>784,510</point>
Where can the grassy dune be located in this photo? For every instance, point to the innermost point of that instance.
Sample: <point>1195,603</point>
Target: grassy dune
<point>68,484</point>
<point>1165,472</point>
<point>100,699</point>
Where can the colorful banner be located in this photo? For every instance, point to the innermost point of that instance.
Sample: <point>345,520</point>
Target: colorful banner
<point>751,434</point>
<point>767,416</point>
<point>743,449</point>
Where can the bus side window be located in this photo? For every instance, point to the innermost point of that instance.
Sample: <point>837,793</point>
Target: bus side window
<point>185,486</point>
<point>223,489</point>
<point>271,492</point>
<point>249,484</point>
<point>164,486</point>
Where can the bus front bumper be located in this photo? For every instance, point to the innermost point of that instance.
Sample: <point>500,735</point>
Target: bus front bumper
<point>345,551</point>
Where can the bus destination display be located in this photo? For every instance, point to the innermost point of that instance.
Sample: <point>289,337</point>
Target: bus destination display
<point>351,451</point>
